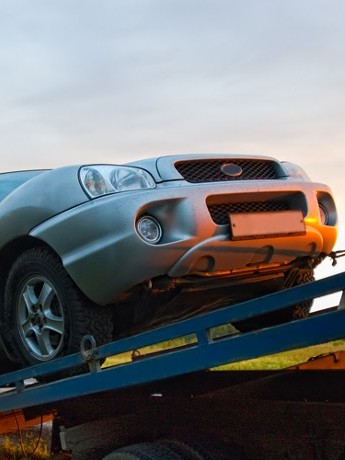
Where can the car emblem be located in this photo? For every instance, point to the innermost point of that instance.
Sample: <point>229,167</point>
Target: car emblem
<point>231,169</point>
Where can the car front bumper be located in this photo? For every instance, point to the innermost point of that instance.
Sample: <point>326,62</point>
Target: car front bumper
<point>103,253</point>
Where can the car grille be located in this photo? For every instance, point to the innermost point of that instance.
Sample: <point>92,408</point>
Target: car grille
<point>198,171</point>
<point>220,212</point>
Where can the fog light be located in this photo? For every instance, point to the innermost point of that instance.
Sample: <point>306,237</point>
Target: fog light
<point>149,229</point>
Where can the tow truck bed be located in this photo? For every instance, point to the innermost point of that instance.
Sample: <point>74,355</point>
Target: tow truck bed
<point>171,395</point>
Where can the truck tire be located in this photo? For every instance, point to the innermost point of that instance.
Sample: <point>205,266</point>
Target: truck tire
<point>167,449</point>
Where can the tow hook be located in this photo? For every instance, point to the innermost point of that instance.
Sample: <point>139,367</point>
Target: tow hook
<point>334,255</point>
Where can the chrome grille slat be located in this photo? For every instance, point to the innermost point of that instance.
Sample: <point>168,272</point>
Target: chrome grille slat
<point>220,212</point>
<point>198,171</point>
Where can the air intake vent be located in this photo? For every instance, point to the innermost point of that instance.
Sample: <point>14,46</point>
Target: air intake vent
<point>198,171</point>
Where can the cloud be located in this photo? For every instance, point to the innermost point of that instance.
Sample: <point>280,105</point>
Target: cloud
<point>128,79</point>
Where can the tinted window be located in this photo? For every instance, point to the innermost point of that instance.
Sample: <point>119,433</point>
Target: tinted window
<point>10,181</point>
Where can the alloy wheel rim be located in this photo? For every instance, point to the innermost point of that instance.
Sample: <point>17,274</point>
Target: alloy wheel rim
<point>40,318</point>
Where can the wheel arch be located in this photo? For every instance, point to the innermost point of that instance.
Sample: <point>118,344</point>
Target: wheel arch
<point>11,251</point>
<point>8,254</point>
<point>33,261</point>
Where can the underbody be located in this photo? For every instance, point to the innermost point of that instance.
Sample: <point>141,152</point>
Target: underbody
<point>163,299</point>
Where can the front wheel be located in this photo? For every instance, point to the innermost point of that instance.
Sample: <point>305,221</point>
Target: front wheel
<point>45,312</point>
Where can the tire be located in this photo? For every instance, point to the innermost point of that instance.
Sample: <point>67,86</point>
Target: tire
<point>158,450</point>
<point>173,449</point>
<point>46,313</point>
<point>297,311</point>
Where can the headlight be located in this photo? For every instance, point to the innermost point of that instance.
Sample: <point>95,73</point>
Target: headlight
<point>104,179</point>
<point>324,217</point>
<point>327,209</point>
<point>295,171</point>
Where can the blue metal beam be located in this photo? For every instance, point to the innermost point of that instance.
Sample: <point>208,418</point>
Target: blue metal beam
<point>204,354</point>
<point>233,313</point>
<point>302,333</point>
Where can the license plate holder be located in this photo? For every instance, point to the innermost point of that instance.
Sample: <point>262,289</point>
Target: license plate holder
<point>266,224</point>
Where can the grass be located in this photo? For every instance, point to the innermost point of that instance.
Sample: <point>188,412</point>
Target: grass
<point>270,362</point>
<point>31,448</point>
<point>287,358</point>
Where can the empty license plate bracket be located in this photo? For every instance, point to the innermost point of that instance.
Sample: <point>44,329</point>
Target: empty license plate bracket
<point>266,224</point>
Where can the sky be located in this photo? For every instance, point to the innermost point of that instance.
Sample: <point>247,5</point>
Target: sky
<point>118,80</point>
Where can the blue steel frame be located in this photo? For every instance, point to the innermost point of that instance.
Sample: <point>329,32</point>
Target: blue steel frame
<point>204,353</point>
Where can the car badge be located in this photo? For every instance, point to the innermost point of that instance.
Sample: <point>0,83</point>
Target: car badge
<point>231,169</point>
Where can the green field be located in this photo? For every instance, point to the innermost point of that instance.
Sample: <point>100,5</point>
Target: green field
<point>271,362</point>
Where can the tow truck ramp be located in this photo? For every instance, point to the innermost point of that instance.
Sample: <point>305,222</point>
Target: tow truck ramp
<point>167,402</point>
